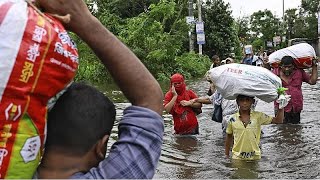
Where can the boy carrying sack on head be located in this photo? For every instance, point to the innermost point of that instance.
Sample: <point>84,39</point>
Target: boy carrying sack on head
<point>244,127</point>
<point>242,82</point>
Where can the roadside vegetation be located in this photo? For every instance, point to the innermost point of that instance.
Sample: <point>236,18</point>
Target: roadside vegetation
<point>157,32</point>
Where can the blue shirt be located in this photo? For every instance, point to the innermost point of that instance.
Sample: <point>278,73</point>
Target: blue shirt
<point>136,153</point>
<point>247,60</point>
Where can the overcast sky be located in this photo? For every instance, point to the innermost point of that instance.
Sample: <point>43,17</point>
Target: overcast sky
<point>242,8</point>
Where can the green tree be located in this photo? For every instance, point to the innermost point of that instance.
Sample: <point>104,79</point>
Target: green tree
<point>265,25</point>
<point>90,67</point>
<point>310,6</point>
<point>146,36</point>
<point>243,29</point>
<point>308,19</point>
<point>290,19</point>
<point>220,31</point>
<point>258,45</point>
<point>156,33</point>
<point>123,8</point>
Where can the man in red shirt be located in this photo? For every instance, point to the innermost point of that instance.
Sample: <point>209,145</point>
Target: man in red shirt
<point>292,79</point>
<point>177,103</point>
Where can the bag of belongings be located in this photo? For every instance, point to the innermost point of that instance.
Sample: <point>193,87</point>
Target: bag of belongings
<point>38,59</point>
<point>302,53</point>
<point>234,79</point>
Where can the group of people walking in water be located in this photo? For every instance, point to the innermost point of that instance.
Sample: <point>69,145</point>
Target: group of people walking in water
<point>241,124</point>
<point>80,123</point>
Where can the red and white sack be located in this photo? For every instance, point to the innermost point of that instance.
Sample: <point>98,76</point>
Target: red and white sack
<point>38,59</point>
<point>234,79</point>
<point>302,53</point>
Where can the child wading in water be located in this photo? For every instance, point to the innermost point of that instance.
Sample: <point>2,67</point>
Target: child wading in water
<point>245,128</point>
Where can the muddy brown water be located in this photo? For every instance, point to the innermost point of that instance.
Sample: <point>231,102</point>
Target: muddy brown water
<point>288,151</point>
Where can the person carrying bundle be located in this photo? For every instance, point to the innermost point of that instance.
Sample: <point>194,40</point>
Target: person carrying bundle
<point>242,83</point>
<point>292,78</point>
<point>245,128</point>
<point>288,63</point>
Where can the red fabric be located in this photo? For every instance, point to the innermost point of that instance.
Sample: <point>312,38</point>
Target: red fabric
<point>178,78</point>
<point>45,60</point>
<point>4,8</point>
<point>184,118</point>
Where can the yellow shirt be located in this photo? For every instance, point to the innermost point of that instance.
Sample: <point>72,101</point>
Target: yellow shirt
<point>247,139</point>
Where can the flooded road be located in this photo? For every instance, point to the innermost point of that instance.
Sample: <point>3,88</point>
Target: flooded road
<point>288,151</point>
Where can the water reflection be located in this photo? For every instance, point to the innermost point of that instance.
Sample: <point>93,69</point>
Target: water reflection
<point>187,145</point>
<point>243,169</point>
<point>289,134</point>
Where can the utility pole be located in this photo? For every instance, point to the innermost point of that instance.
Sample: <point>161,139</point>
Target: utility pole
<point>282,9</point>
<point>200,20</point>
<point>191,43</point>
<point>318,49</point>
<point>283,24</point>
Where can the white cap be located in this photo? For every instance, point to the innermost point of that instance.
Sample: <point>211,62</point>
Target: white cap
<point>259,62</point>
<point>229,59</point>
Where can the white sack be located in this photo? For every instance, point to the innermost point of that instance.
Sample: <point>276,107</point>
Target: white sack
<point>234,79</point>
<point>302,50</point>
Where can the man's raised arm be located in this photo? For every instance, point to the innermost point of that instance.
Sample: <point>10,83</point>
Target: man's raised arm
<point>133,78</point>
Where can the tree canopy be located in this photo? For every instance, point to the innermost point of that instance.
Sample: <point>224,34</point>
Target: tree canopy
<point>220,31</point>
<point>157,32</point>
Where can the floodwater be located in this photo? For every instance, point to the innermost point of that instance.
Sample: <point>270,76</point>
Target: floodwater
<point>288,151</point>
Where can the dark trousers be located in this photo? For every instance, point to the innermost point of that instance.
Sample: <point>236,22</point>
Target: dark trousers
<point>291,117</point>
<point>195,131</point>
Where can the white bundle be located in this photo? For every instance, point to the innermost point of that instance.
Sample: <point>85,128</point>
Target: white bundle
<point>234,79</point>
<point>303,54</point>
